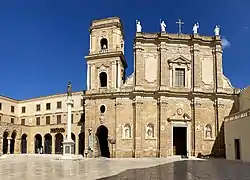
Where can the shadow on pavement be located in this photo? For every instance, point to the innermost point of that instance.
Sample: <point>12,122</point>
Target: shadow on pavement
<point>214,169</point>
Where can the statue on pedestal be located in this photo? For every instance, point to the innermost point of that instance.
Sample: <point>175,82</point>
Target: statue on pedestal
<point>163,26</point>
<point>195,28</point>
<point>217,30</point>
<point>138,26</point>
<point>69,89</point>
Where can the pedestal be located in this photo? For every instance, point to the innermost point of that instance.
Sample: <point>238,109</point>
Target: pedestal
<point>68,149</point>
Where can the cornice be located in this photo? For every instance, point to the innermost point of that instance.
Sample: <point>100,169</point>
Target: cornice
<point>51,97</point>
<point>5,98</point>
<point>108,54</point>
<point>176,38</point>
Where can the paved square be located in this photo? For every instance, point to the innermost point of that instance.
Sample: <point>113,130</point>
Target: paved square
<point>173,168</point>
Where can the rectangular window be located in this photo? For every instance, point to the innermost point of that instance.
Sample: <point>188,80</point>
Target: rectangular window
<point>59,105</point>
<point>38,107</point>
<point>81,102</point>
<point>59,119</point>
<point>72,118</point>
<point>23,109</point>
<point>72,105</point>
<point>38,121</point>
<point>12,120</point>
<point>47,120</point>
<point>0,106</point>
<point>180,77</point>
<point>23,122</point>
<point>47,106</point>
<point>12,109</point>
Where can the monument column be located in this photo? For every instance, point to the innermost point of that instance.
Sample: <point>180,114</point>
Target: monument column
<point>68,144</point>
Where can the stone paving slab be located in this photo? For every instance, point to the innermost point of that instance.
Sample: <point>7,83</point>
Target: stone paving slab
<point>50,167</point>
<point>173,168</point>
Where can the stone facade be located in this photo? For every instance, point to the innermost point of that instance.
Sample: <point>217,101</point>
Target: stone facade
<point>151,100</point>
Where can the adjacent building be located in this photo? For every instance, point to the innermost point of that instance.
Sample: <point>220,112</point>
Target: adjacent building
<point>237,133</point>
<point>39,125</point>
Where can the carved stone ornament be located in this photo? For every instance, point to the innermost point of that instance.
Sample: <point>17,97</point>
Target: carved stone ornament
<point>101,119</point>
<point>138,101</point>
<point>179,111</point>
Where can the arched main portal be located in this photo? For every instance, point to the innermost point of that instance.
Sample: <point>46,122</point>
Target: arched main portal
<point>5,142</point>
<point>58,143</point>
<point>24,144</point>
<point>12,142</point>
<point>81,143</point>
<point>102,134</point>
<point>38,143</point>
<point>47,144</point>
<point>73,137</point>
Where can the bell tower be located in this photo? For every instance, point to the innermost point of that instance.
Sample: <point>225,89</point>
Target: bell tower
<point>105,62</point>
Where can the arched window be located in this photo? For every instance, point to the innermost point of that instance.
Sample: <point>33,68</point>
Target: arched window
<point>150,131</point>
<point>103,79</point>
<point>104,43</point>
<point>208,131</point>
<point>127,131</point>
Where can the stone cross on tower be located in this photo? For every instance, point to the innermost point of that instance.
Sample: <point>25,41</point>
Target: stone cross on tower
<point>179,24</point>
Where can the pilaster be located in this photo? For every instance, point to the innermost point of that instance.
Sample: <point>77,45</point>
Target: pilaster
<point>196,68</point>
<point>138,105</point>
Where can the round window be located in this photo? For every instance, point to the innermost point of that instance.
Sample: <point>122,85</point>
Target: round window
<point>102,109</point>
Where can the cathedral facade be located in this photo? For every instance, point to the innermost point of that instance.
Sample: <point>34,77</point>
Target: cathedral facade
<point>174,103</point>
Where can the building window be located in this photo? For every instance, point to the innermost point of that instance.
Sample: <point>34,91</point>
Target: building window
<point>38,121</point>
<point>59,105</point>
<point>12,121</point>
<point>59,119</point>
<point>103,79</point>
<point>72,118</point>
<point>23,122</point>
<point>72,105</point>
<point>38,107</point>
<point>180,77</point>
<point>0,118</point>
<point>23,109</point>
<point>104,43</point>
<point>150,131</point>
<point>47,120</point>
<point>47,106</point>
<point>12,109</point>
<point>81,102</point>
<point>0,106</point>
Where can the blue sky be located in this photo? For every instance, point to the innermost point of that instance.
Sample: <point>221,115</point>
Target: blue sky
<point>43,42</point>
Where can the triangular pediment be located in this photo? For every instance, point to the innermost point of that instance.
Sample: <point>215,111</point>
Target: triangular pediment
<point>179,60</point>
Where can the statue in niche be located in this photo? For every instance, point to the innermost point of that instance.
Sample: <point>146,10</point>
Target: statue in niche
<point>150,131</point>
<point>127,131</point>
<point>208,132</point>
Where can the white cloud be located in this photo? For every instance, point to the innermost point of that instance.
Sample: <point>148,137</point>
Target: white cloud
<point>225,43</point>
